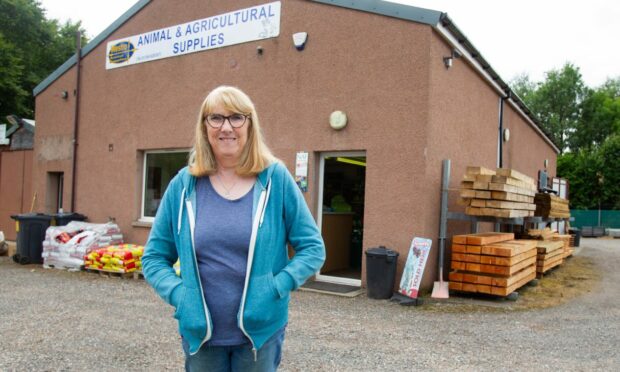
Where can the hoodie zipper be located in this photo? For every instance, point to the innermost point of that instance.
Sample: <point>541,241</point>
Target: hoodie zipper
<point>192,223</point>
<point>258,221</point>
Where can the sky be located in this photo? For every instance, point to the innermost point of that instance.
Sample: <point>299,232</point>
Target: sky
<point>516,37</point>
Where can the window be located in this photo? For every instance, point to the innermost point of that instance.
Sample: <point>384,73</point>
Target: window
<point>159,169</point>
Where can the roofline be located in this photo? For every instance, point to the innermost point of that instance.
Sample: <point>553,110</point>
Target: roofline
<point>90,46</point>
<point>395,10</point>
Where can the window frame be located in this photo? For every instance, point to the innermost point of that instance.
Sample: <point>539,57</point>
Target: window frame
<point>145,153</point>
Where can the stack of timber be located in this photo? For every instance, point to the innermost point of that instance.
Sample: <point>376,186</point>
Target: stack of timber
<point>551,206</point>
<point>550,254</point>
<point>551,235</point>
<point>491,263</point>
<point>502,193</point>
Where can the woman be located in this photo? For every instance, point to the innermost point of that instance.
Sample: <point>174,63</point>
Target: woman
<point>228,217</point>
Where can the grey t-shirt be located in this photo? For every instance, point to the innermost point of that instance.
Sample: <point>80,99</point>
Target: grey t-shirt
<point>222,239</point>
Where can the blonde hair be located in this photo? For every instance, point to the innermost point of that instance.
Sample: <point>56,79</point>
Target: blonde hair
<point>255,155</point>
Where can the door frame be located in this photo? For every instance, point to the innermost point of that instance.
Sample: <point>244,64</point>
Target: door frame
<point>319,214</point>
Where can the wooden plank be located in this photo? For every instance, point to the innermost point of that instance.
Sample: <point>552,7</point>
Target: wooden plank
<point>486,178</point>
<point>480,170</point>
<point>467,185</point>
<point>481,203</point>
<point>547,246</point>
<point>473,249</point>
<point>506,291</point>
<point>506,261</point>
<point>501,213</point>
<point>483,238</point>
<point>464,257</point>
<point>502,204</point>
<point>465,193</point>
<point>459,248</point>
<point>481,185</point>
<point>490,279</point>
<point>469,177</point>
<point>489,289</point>
<point>507,172</point>
<point>482,194</point>
<point>513,182</point>
<point>459,239</point>
<point>510,196</point>
<point>494,269</point>
<point>508,248</point>
<point>508,188</point>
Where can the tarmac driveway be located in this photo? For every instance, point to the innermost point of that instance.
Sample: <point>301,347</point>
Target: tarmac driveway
<point>57,320</point>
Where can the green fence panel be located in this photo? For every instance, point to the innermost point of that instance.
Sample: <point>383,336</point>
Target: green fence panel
<point>608,219</point>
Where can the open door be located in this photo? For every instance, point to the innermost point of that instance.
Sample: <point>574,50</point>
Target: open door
<point>342,179</point>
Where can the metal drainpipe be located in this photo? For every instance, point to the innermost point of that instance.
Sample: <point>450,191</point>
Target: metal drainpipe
<point>501,130</point>
<point>76,118</point>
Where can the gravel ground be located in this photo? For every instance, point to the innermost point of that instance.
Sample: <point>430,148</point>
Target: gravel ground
<point>56,320</point>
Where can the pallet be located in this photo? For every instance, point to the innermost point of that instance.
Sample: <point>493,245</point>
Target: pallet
<point>114,274</point>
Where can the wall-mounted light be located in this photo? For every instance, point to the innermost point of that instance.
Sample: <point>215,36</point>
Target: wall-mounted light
<point>447,61</point>
<point>259,50</point>
<point>506,135</point>
<point>299,39</point>
<point>64,94</point>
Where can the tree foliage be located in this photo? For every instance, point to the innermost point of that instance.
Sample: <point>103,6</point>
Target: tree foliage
<point>585,123</point>
<point>31,47</point>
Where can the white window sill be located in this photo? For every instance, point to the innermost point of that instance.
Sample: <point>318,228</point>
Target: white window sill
<point>142,223</point>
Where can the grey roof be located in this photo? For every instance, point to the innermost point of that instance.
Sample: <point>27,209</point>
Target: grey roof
<point>27,124</point>
<point>407,12</point>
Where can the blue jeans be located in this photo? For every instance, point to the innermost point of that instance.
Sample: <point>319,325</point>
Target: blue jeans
<point>236,358</point>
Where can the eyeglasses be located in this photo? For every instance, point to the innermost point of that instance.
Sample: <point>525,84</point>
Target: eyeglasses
<point>217,120</point>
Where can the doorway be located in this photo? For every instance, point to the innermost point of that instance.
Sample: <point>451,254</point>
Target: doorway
<point>342,180</point>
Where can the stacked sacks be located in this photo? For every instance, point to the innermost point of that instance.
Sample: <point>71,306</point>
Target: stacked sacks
<point>65,246</point>
<point>124,258</point>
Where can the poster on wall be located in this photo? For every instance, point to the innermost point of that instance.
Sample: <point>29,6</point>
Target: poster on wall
<point>301,170</point>
<point>414,267</point>
<point>236,27</point>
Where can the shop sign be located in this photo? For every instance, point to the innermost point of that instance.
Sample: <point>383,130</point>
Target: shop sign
<point>301,170</point>
<point>236,27</point>
<point>414,267</point>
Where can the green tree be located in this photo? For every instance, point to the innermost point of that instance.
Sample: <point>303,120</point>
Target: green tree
<point>599,117</point>
<point>31,47</point>
<point>557,101</point>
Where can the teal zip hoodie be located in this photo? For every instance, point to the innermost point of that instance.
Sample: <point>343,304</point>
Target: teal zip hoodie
<point>280,216</point>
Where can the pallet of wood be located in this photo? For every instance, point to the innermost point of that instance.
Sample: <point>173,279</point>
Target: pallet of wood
<point>550,254</point>
<point>491,263</point>
<point>551,206</point>
<point>568,250</point>
<point>503,193</point>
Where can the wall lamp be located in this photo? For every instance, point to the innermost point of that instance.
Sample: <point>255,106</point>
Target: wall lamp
<point>447,61</point>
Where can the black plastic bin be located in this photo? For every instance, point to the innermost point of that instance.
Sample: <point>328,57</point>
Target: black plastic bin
<point>380,272</point>
<point>30,235</point>
<point>62,219</point>
<point>575,231</point>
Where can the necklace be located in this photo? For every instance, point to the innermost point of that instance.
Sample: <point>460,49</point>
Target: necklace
<point>227,190</point>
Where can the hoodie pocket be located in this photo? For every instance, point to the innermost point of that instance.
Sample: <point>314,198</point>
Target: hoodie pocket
<point>263,304</point>
<point>179,305</point>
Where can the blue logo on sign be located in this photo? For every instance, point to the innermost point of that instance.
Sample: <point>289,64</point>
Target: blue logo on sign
<point>121,52</point>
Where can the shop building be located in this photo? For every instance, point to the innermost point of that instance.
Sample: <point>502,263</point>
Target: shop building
<point>374,96</point>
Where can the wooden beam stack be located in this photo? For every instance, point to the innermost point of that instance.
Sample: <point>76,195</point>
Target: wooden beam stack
<point>548,234</point>
<point>501,193</point>
<point>550,254</point>
<point>551,206</point>
<point>491,263</point>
